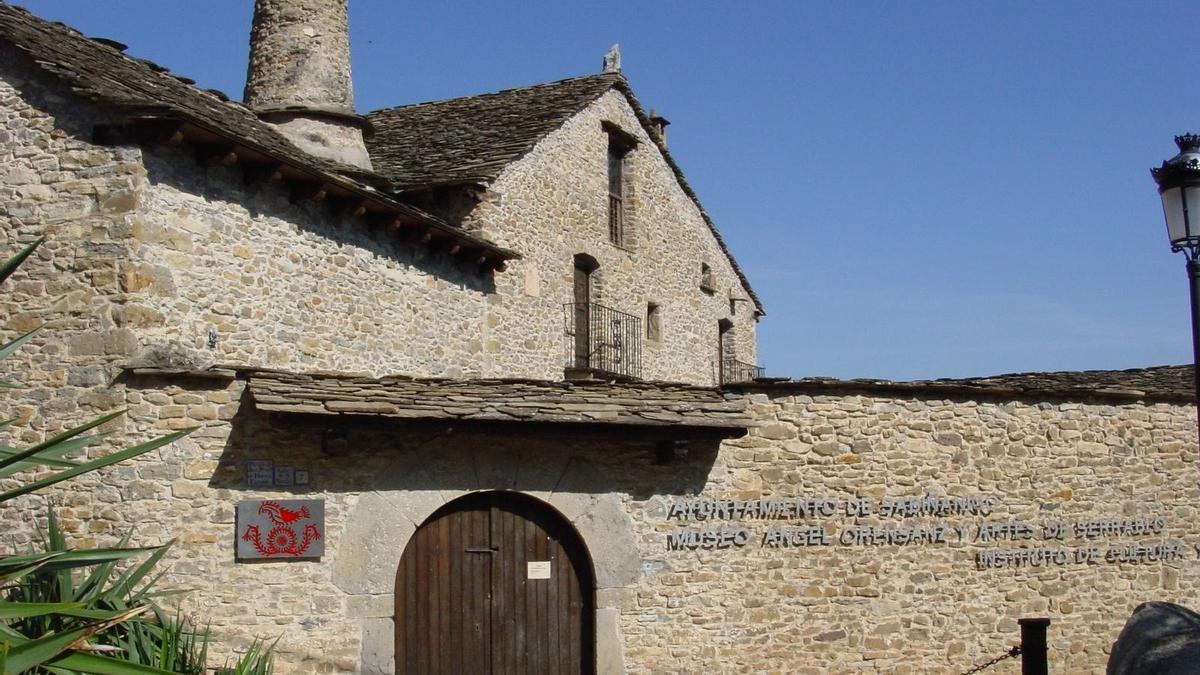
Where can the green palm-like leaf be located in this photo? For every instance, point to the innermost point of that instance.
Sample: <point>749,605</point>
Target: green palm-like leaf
<point>82,662</point>
<point>34,450</point>
<point>14,262</point>
<point>16,344</point>
<point>26,654</point>
<point>52,456</point>
<point>104,461</point>
<point>25,610</point>
<point>16,566</point>
<point>124,586</point>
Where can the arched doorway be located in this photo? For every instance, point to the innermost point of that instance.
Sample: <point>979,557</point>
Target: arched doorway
<point>495,582</point>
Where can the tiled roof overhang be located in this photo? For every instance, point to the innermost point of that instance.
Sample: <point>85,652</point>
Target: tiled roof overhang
<point>159,107</point>
<point>661,409</point>
<point>1159,384</point>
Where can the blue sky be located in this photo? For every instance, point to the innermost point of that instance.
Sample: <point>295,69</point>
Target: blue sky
<point>916,190</point>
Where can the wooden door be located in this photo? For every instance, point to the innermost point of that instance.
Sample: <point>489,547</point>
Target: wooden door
<point>724,348</point>
<point>583,312</point>
<point>468,600</point>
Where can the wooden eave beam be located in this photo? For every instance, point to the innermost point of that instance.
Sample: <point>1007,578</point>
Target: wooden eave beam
<point>263,174</point>
<point>263,167</point>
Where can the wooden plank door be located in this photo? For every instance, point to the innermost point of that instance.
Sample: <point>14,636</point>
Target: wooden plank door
<point>468,599</point>
<point>442,594</point>
<point>583,312</point>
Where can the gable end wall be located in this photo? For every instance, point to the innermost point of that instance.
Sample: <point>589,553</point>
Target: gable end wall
<point>553,203</point>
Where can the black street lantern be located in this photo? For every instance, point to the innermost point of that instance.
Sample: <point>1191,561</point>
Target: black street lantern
<point>1179,186</point>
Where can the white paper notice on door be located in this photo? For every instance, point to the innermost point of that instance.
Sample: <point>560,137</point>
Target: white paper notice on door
<point>537,569</point>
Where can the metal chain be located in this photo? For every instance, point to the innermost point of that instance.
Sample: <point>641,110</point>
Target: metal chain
<point>1015,651</point>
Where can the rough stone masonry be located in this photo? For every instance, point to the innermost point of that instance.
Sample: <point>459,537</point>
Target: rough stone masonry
<point>853,527</point>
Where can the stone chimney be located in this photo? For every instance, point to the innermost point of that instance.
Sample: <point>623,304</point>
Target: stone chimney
<point>660,125</point>
<point>299,77</point>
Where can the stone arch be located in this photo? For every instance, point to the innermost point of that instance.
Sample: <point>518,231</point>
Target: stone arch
<point>490,535</point>
<point>378,528</point>
<point>588,265</point>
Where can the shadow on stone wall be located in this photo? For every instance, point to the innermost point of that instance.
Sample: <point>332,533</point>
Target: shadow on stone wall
<point>345,454</point>
<point>221,187</point>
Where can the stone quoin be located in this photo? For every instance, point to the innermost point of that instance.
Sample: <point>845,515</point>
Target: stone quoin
<point>490,355</point>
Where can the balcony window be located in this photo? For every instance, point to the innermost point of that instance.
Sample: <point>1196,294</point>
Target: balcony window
<point>600,341</point>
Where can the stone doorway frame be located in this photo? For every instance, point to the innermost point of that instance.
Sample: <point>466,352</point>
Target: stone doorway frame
<point>367,554</point>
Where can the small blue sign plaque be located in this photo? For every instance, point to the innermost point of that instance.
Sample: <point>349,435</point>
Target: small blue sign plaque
<point>260,473</point>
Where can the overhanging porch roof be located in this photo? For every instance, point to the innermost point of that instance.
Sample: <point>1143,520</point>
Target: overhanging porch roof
<point>662,409</point>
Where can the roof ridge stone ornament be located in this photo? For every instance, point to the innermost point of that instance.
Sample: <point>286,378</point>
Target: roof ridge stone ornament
<point>612,59</point>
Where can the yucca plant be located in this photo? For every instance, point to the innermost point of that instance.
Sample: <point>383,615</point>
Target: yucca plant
<point>152,639</point>
<point>258,660</point>
<point>70,611</point>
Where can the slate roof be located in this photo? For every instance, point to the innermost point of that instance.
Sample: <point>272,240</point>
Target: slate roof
<point>473,138</point>
<point>98,70</point>
<point>647,404</point>
<point>1168,384</point>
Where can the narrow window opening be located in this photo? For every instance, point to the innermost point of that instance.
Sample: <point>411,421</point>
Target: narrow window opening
<point>706,278</point>
<point>653,323</point>
<point>620,143</point>
<point>616,195</point>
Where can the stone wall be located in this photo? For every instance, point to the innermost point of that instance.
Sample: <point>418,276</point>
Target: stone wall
<point>149,252</point>
<point>553,204</point>
<point>54,183</point>
<point>938,599</point>
<point>291,285</point>
<point>920,607</point>
<point>196,255</point>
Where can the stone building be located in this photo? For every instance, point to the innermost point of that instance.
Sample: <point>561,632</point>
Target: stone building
<point>502,352</point>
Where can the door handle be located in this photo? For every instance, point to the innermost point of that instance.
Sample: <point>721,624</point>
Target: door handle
<point>489,550</point>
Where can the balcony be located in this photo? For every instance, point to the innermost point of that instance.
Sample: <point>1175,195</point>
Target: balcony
<point>734,371</point>
<point>600,341</point>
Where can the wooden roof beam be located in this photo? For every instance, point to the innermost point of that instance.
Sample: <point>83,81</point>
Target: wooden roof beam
<point>309,191</point>
<point>262,174</point>
<point>225,155</point>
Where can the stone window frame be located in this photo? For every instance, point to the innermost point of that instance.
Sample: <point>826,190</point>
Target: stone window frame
<point>653,323</point>
<point>708,282</point>
<point>621,144</point>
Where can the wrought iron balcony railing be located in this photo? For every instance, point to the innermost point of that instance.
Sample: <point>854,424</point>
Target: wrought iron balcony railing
<point>733,371</point>
<point>602,340</point>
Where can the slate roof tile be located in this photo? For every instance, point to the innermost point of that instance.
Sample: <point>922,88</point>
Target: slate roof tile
<point>642,404</point>
<point>98,70</point>
<point>1169,384</point>
<point>473,138</point>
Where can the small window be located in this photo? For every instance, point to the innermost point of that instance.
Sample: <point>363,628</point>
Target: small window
<point>616,195</point>
<point>653,322</point>
<point>620,143</point>
<point>706,279</point>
